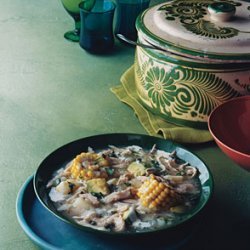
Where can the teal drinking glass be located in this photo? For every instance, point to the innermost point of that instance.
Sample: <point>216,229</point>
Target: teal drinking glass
<point>126,14</point>
<point>72,7</point>
<point>96,35</point>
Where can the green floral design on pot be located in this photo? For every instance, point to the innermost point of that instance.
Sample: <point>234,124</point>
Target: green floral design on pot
<point>181,93</point>
<point>191,14</point>
<point>208,29</point>
<point>160,86</point>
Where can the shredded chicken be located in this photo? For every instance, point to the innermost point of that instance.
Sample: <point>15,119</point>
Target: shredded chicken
<point>117,196</point>
<point>103,191</point>
<point>93,200</point>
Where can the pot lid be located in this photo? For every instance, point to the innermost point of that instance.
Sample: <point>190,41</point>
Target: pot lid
<point>213,30</point>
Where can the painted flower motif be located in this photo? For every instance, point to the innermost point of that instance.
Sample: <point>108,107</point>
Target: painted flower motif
<point>191,12</point>
<point>160,86</point>
<point>187,12</point>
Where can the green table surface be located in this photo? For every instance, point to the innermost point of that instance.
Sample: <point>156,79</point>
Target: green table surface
<point>53,92</point>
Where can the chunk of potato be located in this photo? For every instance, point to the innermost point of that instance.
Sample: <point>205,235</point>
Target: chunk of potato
<point>130,215</point>
<point>137,169</point>
<point>98,185</point>
<point>82,204</point>
<point>63,187</point>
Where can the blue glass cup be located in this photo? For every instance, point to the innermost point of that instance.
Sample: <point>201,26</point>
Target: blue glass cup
<point>127,12</point>
<point>96,33</point>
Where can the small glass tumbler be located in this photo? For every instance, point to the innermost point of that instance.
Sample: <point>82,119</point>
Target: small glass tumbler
<point>126,14</point>
<point>96,34</point>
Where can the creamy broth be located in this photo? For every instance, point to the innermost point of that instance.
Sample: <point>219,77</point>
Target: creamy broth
<point>125,189</point>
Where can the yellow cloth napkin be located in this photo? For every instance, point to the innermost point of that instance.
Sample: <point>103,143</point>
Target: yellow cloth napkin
<point>153,124</point>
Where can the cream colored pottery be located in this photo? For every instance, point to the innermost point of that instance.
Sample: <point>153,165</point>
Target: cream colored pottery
<point>208,61</point>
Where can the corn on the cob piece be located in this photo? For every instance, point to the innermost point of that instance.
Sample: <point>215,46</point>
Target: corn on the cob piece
<point>154,194</point>
<point>87,166</point>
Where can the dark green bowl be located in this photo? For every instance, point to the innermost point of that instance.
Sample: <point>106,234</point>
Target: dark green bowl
<point>66,153</point>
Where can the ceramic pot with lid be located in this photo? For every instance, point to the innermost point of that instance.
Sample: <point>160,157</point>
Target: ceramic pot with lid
<point>207,63</point>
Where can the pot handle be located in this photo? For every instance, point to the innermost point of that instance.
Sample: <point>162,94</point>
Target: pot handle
<point>221,11</point>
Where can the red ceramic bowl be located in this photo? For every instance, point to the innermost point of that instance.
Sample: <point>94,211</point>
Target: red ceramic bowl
<point>229,124</point>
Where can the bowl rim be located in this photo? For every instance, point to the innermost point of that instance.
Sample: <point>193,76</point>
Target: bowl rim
<point>202,204</point>
<point>213,113</point>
